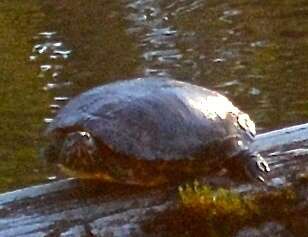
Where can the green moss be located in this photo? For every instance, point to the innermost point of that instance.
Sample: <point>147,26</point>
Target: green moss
<point>204,211</point>
<point>215,212</point>
<point>217,204</point>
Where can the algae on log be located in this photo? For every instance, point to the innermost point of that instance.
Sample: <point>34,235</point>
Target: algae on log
<point>85,208</point>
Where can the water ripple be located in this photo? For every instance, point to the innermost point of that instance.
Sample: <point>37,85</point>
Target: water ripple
<point>150,23</point>
<point>49,53</point>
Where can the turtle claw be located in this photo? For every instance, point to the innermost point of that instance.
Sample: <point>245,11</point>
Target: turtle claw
<point>260,178</point>
<point>257,167</point>
<point>262,164</point>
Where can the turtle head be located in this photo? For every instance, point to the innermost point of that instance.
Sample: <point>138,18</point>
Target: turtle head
<point>79,152</point>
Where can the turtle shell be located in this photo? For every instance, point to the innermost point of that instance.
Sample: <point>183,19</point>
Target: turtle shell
<point>157,119</point>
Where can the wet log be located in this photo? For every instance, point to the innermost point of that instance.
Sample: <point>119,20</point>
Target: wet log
<point>84,208</point>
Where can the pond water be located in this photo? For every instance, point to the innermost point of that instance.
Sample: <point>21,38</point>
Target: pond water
<point>255,52</point>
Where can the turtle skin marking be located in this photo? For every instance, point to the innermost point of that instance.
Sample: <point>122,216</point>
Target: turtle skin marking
<point>150,131</point>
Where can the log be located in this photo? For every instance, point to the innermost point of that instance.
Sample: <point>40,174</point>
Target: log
<point>73,207</point>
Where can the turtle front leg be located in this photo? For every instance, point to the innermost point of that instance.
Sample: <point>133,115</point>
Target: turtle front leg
<point>255,165</point>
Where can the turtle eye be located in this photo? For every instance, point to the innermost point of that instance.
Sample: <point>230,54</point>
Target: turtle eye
<point>85,134</point>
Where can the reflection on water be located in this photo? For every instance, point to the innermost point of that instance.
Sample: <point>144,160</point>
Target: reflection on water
<point>156,37</point>
<point>151,24</point>
<point>49,53</point>
<point>252,51</point>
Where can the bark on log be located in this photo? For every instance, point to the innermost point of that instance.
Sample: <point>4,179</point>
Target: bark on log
<point>82,208</point>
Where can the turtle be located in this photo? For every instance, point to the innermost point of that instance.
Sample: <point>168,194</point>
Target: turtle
<point>152,131</point>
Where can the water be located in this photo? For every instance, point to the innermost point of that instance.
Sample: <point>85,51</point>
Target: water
<point>254,52</point>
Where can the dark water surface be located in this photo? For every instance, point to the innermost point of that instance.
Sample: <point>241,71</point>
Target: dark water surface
<point>255,52</point>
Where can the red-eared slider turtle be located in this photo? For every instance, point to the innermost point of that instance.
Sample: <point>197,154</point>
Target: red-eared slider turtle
<point>150,131</point>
